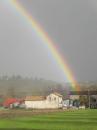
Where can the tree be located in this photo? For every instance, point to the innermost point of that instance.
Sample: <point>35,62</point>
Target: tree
<point>84,100</point>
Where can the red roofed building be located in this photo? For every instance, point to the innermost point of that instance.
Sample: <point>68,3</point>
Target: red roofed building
<point>12,102</point>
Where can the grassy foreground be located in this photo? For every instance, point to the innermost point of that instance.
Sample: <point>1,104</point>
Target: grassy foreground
<point>70,120</point>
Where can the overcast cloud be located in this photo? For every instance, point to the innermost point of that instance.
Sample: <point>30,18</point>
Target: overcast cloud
<point>71,24</point>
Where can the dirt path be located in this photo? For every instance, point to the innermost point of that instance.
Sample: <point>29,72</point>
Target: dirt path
<point>20,112</point>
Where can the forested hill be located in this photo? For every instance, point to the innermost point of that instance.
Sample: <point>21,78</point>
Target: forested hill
<point>22,87</point>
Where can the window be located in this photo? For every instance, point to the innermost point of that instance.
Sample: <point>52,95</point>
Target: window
<point>54,98</point>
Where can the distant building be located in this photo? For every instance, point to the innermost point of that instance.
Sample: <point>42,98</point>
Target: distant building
<point>74,97</point>
<point>13,103</point>
<point>89,97</point>
<point>67,103</point>
<point>53,100</point>
<point>93,101</point>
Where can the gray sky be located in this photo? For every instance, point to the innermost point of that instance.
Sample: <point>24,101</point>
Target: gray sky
<point>71,24</point>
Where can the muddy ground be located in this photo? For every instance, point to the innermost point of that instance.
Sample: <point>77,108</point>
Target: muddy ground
<point>10,113</point>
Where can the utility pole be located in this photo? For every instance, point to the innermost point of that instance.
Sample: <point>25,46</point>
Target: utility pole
<point>89,98</point>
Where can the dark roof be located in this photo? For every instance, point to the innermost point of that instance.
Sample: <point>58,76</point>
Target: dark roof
<point>83,92</point>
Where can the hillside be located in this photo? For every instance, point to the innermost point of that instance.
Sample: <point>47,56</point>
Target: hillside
<point>22,87</point>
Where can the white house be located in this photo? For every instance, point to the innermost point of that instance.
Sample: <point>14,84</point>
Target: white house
<point>54,100</point>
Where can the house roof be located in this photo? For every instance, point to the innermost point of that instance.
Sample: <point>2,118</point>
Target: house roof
<point>55,93</point>
<point>35,98</point>
<point>40,98</point>
<point>9,101</point>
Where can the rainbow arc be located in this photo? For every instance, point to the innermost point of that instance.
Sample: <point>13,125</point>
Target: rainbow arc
<point>46,40</point>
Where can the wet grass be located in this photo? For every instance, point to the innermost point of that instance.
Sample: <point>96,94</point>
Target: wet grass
<point>71,120</point>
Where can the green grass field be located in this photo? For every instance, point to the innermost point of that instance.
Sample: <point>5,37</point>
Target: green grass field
<point>71,120</point>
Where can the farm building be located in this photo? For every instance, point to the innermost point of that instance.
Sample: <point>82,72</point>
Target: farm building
<point>13,103</point>
<point>67,103</point>
<point>53,100</point>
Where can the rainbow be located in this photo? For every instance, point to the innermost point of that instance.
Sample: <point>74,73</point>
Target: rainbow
<point>46,40</point>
